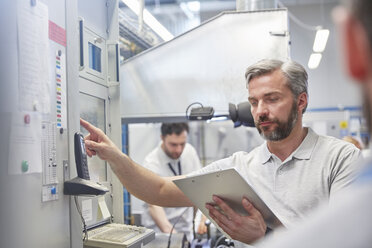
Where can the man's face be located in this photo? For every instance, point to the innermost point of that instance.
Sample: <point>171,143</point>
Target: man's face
<point>174,144</point>
<point>273,106</point>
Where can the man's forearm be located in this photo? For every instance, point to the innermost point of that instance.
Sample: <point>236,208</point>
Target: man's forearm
<point>146,185</point>
<point>139,181</point>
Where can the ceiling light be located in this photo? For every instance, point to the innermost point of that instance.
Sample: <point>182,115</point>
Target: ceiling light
<point>320,41</point>
<point>150,20</point>
<point>314,60</point>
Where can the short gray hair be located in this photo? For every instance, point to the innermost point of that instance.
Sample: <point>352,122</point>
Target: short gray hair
<point>293,71</point>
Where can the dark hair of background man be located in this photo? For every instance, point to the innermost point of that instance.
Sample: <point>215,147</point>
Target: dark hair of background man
<point>174,128</point>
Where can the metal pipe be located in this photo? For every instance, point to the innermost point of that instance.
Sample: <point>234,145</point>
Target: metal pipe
<point>251,5</point>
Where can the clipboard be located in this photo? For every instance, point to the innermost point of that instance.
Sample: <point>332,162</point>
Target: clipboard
<point>231,187</point>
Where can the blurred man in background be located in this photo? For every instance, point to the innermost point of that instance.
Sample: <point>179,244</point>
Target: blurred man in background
<point>172,157</point>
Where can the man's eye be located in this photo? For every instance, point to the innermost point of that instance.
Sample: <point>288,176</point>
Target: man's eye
<point>273,99</point>
<point>254,103</point>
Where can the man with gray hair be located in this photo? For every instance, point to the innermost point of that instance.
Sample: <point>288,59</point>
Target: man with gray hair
<point>294,171</point>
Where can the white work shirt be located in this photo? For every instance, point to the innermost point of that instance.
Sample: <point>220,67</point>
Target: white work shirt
<point>157,161</point>
<point>312,174</point>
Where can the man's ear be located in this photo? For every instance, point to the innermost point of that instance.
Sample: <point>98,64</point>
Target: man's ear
<point>357,49</point>
<point>302,101</point>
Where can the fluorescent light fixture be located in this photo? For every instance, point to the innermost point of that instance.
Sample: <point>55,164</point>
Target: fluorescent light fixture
<point>314,60</point>
<point>149,19</point>
<point>320,41</point>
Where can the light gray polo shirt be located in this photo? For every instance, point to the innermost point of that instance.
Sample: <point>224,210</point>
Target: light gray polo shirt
<point>313,173</point>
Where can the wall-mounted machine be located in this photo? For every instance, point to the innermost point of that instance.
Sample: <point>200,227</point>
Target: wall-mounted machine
<point>59,63</point>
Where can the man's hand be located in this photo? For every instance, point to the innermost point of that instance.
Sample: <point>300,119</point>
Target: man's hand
<point>97,143</point>
<point>202,227</point>
<point>246,229</point>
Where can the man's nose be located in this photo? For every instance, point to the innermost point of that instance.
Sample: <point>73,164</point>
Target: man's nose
<point>262,109</point>
<point>179,149</point>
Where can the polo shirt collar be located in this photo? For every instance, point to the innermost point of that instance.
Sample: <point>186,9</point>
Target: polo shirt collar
<point>304,151</point>
<point>266,154</point>
<point>307,146</point>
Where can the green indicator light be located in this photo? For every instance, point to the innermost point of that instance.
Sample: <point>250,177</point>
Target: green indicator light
<point>24,166</point>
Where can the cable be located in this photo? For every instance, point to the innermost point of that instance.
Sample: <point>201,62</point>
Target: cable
<point>193,227</point>
<point>170,234</point>
<point>82,219</point>
<point>228,242</point>
<point>218,240</point>
<point>188,107</point>
<point>298,21</point>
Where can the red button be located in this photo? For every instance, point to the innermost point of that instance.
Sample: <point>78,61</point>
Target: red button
<point>27,119</point>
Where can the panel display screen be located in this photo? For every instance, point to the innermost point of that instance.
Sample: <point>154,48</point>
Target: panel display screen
<point>94,57</point>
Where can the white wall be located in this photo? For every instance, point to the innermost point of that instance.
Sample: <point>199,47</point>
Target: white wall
<point>329,85</point>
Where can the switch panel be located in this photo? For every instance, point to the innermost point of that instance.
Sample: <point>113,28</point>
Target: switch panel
<point>49,159</point>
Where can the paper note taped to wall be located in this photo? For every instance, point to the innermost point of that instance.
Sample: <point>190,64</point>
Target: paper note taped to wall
<point>33,56</point>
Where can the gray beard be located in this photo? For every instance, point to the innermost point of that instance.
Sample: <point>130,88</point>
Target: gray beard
<point>284,129</point>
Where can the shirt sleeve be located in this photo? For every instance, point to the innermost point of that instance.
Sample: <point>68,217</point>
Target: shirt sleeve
<point>346,169</point>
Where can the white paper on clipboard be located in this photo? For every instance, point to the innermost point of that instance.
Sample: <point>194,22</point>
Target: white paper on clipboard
<point>231,187</point>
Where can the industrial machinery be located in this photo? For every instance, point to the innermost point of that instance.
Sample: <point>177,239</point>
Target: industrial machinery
<point>60,63</point>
